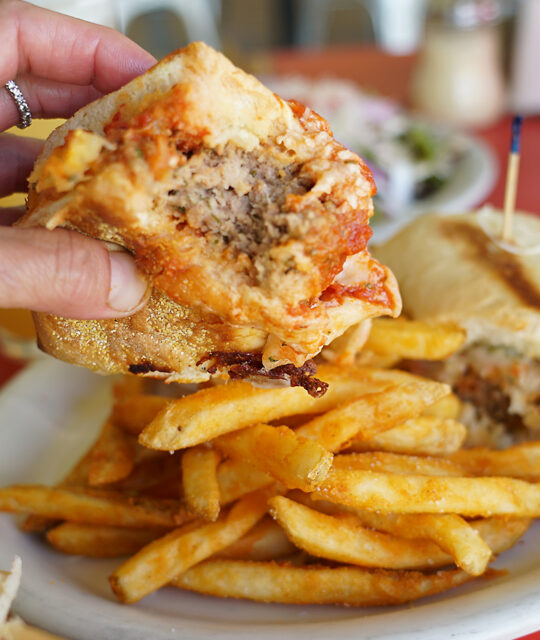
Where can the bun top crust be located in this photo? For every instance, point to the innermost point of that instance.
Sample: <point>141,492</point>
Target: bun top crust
<point>450,269</point>
<point>232,200</point>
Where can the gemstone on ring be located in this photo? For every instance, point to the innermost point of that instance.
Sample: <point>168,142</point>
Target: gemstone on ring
<point>22,105</point>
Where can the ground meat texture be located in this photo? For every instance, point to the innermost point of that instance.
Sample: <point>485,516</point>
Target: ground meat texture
<point>240,198</point>
<point>486,397</point>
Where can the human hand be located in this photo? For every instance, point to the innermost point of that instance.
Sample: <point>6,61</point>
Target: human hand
<point>60,64</point>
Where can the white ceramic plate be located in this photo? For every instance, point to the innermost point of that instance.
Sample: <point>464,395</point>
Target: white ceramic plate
<point>48,416</point>
<point>471,182</point>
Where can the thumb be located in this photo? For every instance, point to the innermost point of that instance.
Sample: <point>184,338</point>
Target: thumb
<point>67,274</point>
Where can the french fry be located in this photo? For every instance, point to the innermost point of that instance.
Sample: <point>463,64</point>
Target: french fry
<point>414,339</point>
<point>156,475</point>
<point>134,413</point>
<point>296,462</point>
<point>128,387</point>
<point>424,435</point>
<point>112,457</point>
<point>92,507</point>
<point>450,532</point>
<point>372,413</point>
<point>201,489</point>
<point>519,461</point>
<point>384,509</point>
<point>266,541</point>
<point>159,562</point>
<point>236,479</point>
<point>390,493</point>
<point>498,532</point>
<point>96,541</point>
<point>447,407</point>
<point>345,540</point>
<point>397,463</point>
<point>353,586</point>
<point>211,412</point>
<point>76,477</point>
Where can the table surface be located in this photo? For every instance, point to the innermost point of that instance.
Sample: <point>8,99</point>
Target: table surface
<point>390,76</point>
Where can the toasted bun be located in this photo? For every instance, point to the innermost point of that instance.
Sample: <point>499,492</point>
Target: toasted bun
<point>454,268</point>
<point>248,218</point>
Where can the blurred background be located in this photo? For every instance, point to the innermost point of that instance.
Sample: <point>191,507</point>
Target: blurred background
<point>423,90</point>
<point>419,88</point>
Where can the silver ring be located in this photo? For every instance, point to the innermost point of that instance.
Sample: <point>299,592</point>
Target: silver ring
<point>22,105</point>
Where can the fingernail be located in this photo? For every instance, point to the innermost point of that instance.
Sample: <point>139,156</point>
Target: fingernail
<point>128,287</point>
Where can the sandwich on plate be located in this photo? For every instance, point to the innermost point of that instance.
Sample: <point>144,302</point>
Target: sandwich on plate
<point>455,269</point>
<point>248,219</point>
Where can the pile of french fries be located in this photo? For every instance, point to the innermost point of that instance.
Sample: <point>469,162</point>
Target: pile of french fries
<point>362,497</point>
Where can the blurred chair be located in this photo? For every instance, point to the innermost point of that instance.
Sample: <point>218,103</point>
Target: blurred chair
<point>397,24</point>
<point>199,17</point>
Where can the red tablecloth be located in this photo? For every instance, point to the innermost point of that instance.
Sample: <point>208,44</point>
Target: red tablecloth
<point>390,76</point>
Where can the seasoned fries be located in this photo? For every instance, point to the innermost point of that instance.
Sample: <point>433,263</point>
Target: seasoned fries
<point>424,435</point>
<point>422,494</point>
<point>133,413</point>
<point>372,414</point>
<point>450,532</point>
<point>112,457</point>
<point>236,478</point>
<point>97,541</point>
<point>370,481</point>
<point>521,461</point>
<point>158,563</point>
<point>397,463</point>
<point>414,339</point>
<point>266,541</point>
<point>201,488</point>
<point>212,412</point>
<point>344,539</point>
<point>295,461</point>
<point>314,584</point>
<point>447,407</point>
<point>92,507</point>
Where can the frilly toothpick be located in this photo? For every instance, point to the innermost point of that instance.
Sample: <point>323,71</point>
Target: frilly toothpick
<point>512,173</point>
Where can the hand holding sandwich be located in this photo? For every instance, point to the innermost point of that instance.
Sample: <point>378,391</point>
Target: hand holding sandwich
<point>60,64</point>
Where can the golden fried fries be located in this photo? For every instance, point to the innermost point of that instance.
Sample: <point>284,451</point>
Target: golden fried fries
<point>76,477</point>
<point>397,463</point>
<point>414,339</point>
<point>353,586</point>
<point>450,532</point>
<point>344,539</point>
<point>372,414</point>
<point>423,435</point>
<point>378,488</point>
<point>266,541</point>
<point>133,413</point>
<point>158,563</point>
<point>296,462</point>
<point>447,407</point>
<point>520,461</point>
<point>211,412</point>
<point>97,541</point>
<point>236,478</point>
<point>95,507</point>
<point>422,494</point>
<point>112,457</point>
<point>201,488</point>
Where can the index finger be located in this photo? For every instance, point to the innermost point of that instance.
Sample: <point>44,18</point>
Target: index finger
<point>56,47</point>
